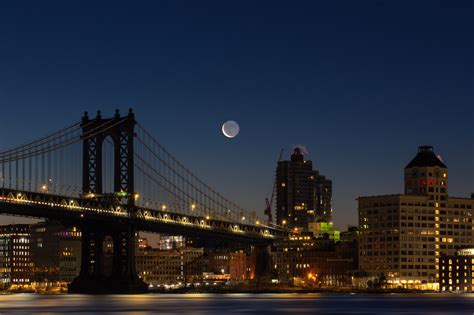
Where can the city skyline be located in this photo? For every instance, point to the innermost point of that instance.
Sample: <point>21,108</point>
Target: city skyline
<point>289,83</point>
<point>237,156</point>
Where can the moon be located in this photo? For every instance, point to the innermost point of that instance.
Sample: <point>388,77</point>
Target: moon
<point>230,129</point>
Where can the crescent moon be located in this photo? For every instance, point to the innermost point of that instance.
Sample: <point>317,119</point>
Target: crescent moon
<point>230,129</point>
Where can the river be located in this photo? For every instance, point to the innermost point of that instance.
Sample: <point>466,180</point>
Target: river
<point>239,304</point>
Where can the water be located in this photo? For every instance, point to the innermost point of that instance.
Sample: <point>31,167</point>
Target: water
<point>239,303</point>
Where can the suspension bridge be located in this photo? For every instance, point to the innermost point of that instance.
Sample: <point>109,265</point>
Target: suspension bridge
<point>111,178</point>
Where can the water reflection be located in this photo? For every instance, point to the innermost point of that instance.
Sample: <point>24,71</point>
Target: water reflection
<point>239,303</point>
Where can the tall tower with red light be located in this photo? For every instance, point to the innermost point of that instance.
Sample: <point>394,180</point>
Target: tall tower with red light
<point>426,174</point>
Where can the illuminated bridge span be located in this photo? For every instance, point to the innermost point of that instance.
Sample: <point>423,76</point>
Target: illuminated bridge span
<point>111,178</point>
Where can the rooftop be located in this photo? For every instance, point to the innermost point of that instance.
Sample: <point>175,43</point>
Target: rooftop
<point>426,157</point>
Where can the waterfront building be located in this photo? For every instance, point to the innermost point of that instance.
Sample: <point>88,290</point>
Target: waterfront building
<point>303,195</point>
<point>307,261</point>
<point>15,263</point>
<point>55,254</point>
<point>456,271</point>
<point>159,267</point>
<point>232,263</point>
<point>403,236</point>
<point>238,266</point>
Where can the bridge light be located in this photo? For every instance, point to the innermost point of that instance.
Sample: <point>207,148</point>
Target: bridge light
<point>18,195</point>
<point>44,187</point>
<point>258,222</point>
<point>207,217</point>
<point>193,206</point>
<point>136,196</point>
<point>163,207</point>
<point>243,218</point>
<point>122,194</point>
<point>283,222</point>
<point>82,215</point>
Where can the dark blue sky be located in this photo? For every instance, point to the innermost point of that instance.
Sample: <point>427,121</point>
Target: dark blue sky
<point>360,83</point>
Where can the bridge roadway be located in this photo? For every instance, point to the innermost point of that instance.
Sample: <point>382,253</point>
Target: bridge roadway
<point>78,211</point>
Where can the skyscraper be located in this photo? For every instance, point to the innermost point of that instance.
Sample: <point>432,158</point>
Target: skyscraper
<point>303,195</point>
<point>404,235</point>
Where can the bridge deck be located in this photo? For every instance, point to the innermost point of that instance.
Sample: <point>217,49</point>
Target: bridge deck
<point>75,211</point>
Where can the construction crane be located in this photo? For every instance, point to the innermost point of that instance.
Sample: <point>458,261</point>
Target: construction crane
<point>269,202</point>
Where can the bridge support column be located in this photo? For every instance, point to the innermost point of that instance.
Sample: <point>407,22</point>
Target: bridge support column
<point>93,278</point>
<point>262,264</point>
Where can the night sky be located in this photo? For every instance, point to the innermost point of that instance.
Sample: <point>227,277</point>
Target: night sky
<point>360,83</point>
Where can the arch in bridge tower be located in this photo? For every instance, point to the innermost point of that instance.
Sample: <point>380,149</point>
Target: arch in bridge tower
<point>121,131</point>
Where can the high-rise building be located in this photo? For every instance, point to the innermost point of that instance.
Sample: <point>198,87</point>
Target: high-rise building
<point>15,263</point>
<point>303,195</point>
<point>403,236</point>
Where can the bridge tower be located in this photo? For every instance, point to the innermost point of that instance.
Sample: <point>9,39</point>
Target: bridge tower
<point>98,238</point>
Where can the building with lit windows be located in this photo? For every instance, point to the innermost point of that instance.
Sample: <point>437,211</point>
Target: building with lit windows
<point>304,260</point>
<point>324,230</point>
<point>55,253</point>
<point>15,263</point>
<point>159,267</point>
<point>456,271</point>
<point>238,266</point>
<point>403,236</point>
<point>167,242</point>
<point>303,195</point>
